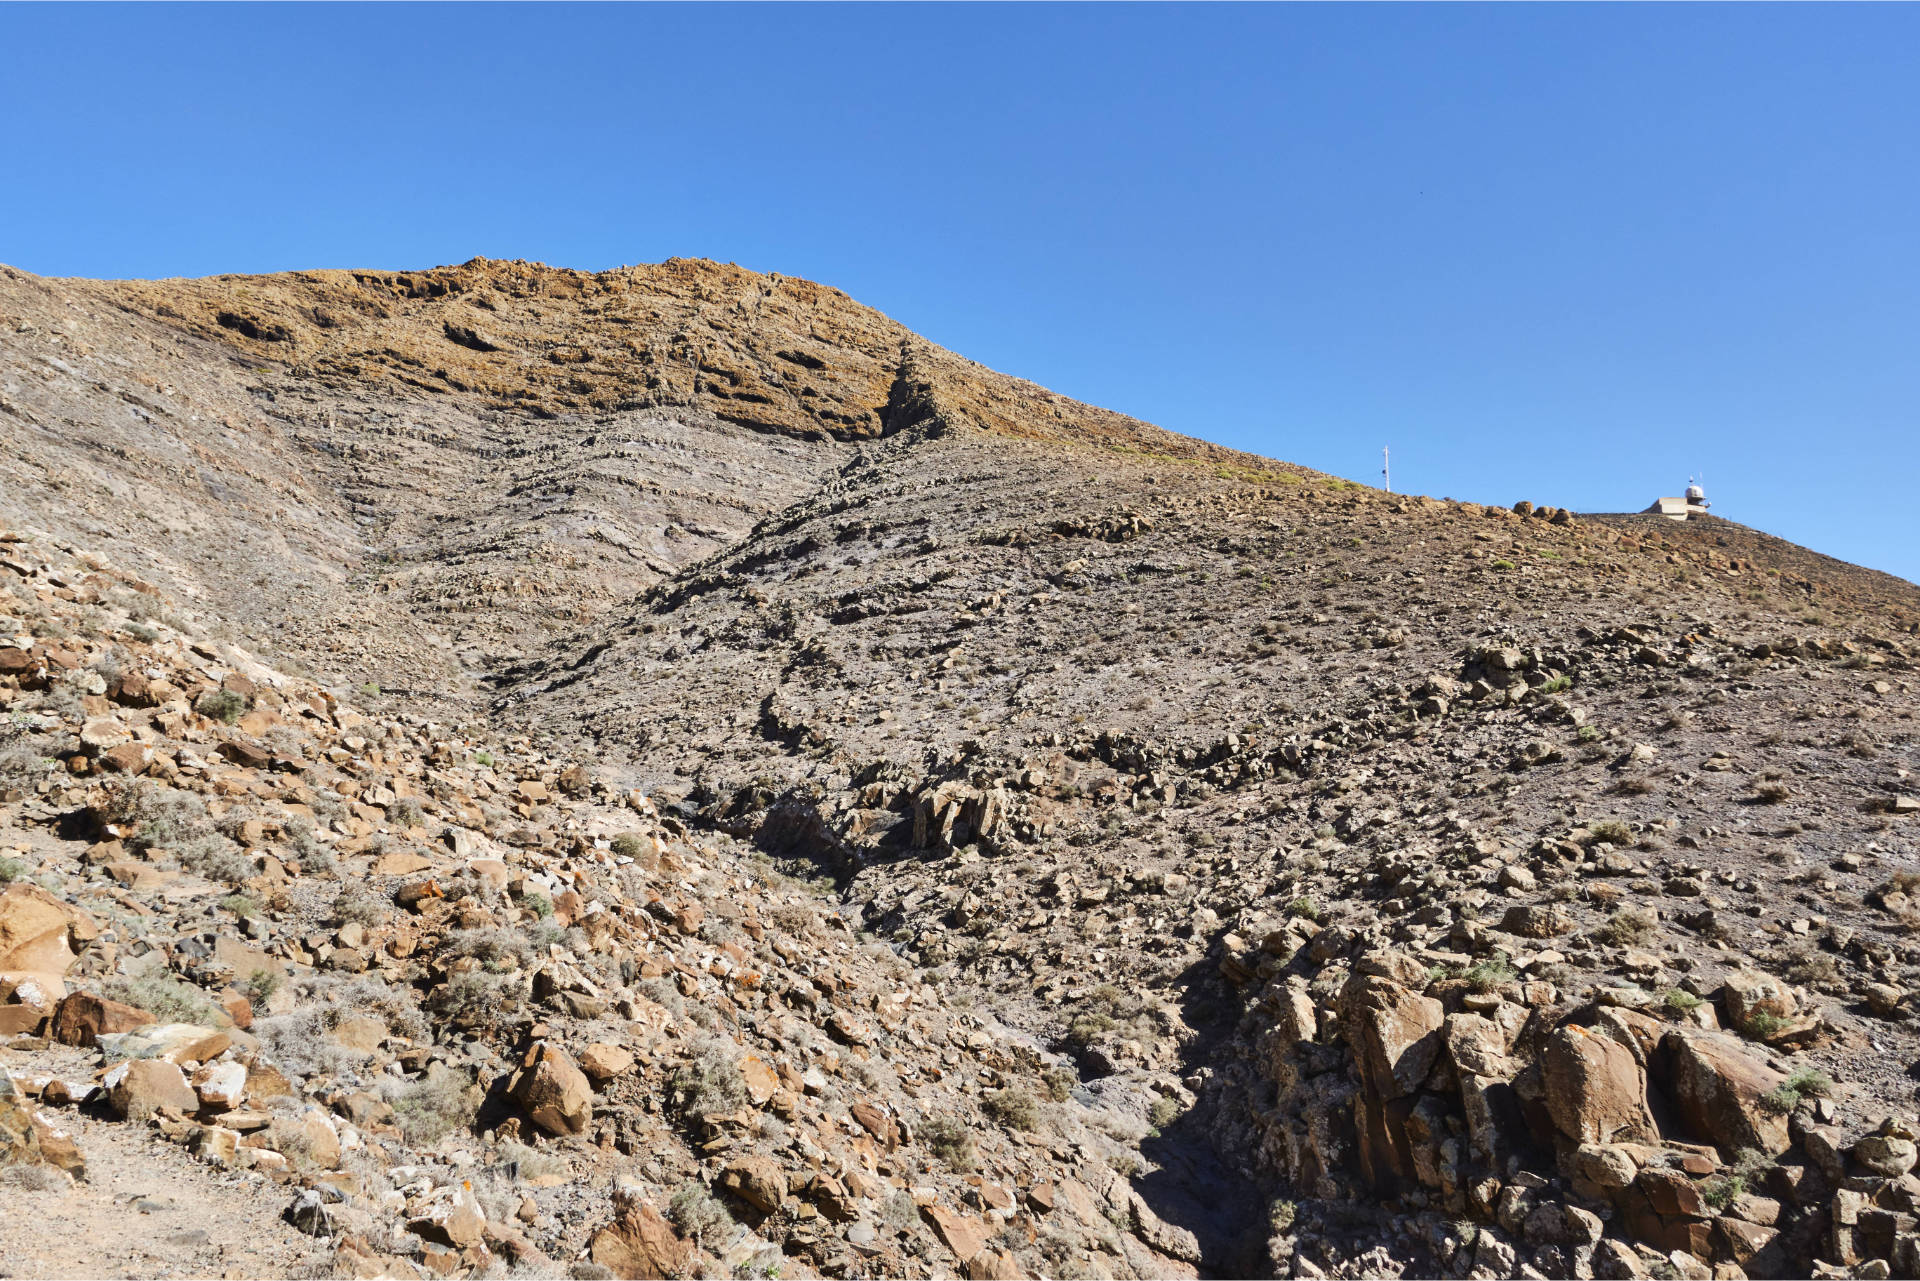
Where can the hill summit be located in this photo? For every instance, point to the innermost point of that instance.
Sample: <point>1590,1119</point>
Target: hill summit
<point>666,772</point>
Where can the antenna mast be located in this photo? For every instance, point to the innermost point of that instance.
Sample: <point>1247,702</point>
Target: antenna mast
<point>1386,477</point>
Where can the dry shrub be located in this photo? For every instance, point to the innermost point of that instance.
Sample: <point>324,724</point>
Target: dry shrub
<point>442,1101</point>
<point>1629,927</point>
<point>160,994</point>
<point>709,1081</point>
<point>947,1139</point>
<point>1013,1108</point>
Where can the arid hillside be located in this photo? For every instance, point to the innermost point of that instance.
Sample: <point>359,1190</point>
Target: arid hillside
<point>668,773</point>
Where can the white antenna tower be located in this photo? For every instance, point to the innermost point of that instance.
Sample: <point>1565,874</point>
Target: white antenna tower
<point>1386,477</point>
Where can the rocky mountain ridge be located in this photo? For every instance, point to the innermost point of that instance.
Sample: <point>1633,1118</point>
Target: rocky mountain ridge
<point>667,773</point>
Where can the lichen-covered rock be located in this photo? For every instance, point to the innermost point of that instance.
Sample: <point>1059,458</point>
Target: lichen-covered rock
<point>1747,993</point>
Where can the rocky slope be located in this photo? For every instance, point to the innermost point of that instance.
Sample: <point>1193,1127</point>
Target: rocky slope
<point>667,773</point>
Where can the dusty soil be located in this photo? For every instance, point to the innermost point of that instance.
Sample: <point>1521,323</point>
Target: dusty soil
<point>146,1209</point>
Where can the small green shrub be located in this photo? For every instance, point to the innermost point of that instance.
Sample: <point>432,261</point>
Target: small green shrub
<point>241,905</point>
<point>222,705</point>
<point>358,905</point>
<point>473,1000</point>
<point>523,1162</point>
<point>1811,1081</point>
<point>947,1139</point>
<point>1612,831</point>
<point>303,842</point>
<point>1780,1100</point>
<point>1487,976</point>
<point>1503,565</point>
<point>709,1081</point>
<point>23,759</point>
<point>1680,1001</point>
<point>259,988</point>
<point>899,1212</point>
<point>1804,1084</point>
<point>214,857</point>
<point>1109,1009</point>
<point>1557,685</point>
<point>1762,1025</point>
<point>11,869</point>
<point>1629,927</point>
<point>1013,1108</point>
<point>1305,908</point>
<point>162,816</point>
<point>1721,1191</point>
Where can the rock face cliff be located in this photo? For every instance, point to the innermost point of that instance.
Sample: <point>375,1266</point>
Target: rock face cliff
<point>666,771</point>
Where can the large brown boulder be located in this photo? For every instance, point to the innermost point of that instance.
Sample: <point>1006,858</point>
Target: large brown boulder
<point>1538,920</point>
<point>1596,1091</point>
<point>82,1017</point>
<point>28,1138</point>
<point>1394,1034</point>
<point>757,1180</point>
<point>140,1087</point>
<point>640,1245</point>
<point>552,1091</point>
<point>1718,1088</point>
<point>37,930</point>
<point>1396,1037</point>
<point>1746,993</point>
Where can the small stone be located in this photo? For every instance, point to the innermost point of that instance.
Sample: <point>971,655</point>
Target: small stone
<point>1885,1155</point>
<point>603,1061</point>
<point>1884,1000</point>
<point>140,1087</point>
<point>757,1180</point>
<point>1515,877</point>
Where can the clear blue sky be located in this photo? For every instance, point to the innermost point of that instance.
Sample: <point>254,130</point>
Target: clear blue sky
<point>1564,253</point>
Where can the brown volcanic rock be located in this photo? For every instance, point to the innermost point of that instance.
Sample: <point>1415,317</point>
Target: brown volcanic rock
<point>28,1138</point>
<point>1596,1090</point>
<point>1718,1088</point>
<point>81,1017</point>
<point>640,1245</point>
<point>554,1092</point>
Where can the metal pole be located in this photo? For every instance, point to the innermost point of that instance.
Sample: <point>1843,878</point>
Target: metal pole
<point>1385,475</point>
